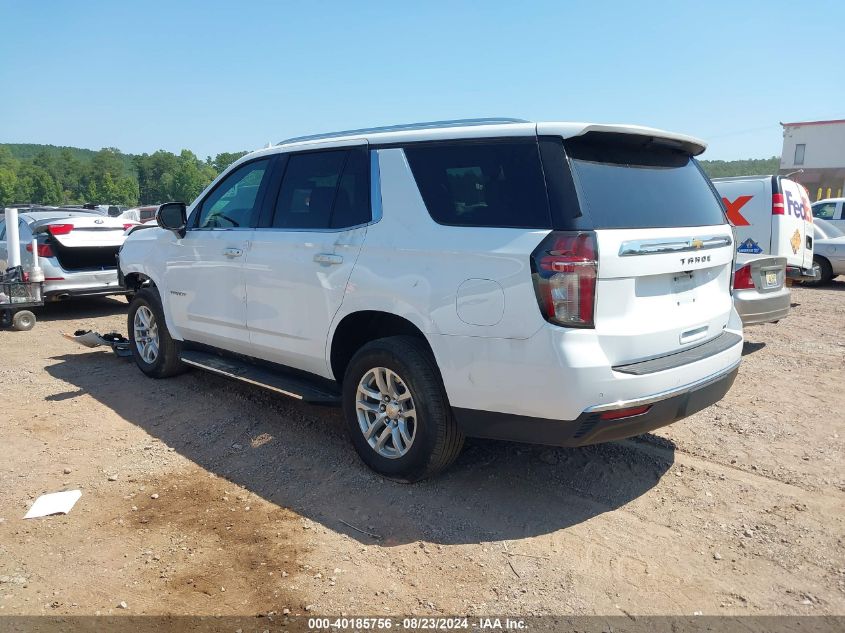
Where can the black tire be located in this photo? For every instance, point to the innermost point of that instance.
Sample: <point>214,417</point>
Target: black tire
<point>437,441</point>
<point>166,363</point>
<point>825,271</point>
<point>23,321</point>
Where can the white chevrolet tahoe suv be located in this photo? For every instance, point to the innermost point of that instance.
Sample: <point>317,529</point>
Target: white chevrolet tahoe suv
<point>553,283</point>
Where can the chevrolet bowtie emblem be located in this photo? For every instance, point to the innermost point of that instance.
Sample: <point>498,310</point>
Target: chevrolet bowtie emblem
<point>696,243</point>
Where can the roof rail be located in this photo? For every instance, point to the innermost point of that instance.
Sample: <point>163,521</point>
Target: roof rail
<point>406,127</point>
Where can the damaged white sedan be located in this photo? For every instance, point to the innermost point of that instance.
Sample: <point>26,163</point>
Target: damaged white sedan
<point>77,250</point>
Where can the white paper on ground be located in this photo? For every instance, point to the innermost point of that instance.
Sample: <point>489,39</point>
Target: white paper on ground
<point>53,503</point>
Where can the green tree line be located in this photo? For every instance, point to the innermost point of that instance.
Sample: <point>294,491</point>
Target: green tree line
<point>747,167</point>
<point>45,174</point>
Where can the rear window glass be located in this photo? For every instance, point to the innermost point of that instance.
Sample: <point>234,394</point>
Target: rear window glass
<point>635,183</point>
<point>487,184</point>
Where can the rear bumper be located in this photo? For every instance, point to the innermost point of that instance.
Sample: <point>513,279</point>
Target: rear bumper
<point>589,428</point>
<point>754,307</point>
<point>802,274</point>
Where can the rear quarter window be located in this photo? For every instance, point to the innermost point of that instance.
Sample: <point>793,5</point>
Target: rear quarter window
<point>634,182</point>
<point>495,183</point>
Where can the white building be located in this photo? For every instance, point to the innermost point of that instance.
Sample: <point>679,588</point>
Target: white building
<point>817,147</point>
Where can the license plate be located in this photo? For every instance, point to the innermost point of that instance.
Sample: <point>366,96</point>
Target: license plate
<point>771,280</point>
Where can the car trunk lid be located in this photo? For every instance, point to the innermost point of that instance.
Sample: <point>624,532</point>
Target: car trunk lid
<point>84,243</point>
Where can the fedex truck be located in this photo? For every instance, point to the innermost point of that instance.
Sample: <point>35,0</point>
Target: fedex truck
<point>771,215</point>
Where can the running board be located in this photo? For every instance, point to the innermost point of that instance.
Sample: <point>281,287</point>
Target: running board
<point>286,384</point>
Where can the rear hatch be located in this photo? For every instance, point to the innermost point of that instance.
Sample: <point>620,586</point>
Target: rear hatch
<point>792,223</point>
<point>664,248</point>
<point>85,242</point>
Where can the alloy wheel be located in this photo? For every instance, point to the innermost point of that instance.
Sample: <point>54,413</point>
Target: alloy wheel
<point>386,413</point>
<point>146,334</point>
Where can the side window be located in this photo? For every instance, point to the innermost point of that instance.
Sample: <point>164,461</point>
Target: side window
<point>2,230</point>
<point>492,184</point>
<point>323,190</point>
<point>352,202</point>
<point>233,203</point>
<point>824,211</point>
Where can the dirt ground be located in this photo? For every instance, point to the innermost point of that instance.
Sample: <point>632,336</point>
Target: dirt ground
<point>204,496</point>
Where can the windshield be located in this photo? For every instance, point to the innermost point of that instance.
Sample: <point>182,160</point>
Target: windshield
<point>636,182</point>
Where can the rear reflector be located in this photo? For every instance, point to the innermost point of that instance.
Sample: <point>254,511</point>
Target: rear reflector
<point>624,413</point>
<point>44,250</point>
<point>742,278</point>
<point>60,229</point>
<point>564,269</point>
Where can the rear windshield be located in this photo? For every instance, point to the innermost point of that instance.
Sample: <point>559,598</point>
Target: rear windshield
<point>631,182</point>
<point>497,183</point>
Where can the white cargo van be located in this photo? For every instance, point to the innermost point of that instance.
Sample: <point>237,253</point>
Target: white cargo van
<point>771,215</point>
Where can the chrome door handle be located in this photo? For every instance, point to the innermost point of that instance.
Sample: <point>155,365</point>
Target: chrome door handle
<point>325,258</point>
<point>233,252</point>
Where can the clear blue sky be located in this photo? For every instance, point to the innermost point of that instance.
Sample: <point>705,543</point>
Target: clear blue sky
<point>218,76</point>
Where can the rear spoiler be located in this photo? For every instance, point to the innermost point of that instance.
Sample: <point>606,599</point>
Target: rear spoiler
<point>689,144</point>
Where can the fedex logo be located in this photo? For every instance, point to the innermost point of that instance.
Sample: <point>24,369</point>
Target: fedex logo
<point>787,204</point>
<point>795,207</point>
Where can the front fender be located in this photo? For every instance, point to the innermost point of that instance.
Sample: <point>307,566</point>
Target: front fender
<point>145,254</point>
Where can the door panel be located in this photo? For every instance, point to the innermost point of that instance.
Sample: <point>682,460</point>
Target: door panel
<point>206,288</point>
<point>204,270</point>
<point>299,263</point>
<point>295,282</point>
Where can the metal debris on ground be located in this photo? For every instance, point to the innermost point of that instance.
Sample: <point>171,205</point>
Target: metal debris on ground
<point>88,338</point>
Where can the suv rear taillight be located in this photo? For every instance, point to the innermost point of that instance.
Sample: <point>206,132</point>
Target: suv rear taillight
<point>564,268</point>
<point>742,278</point>
<point>44,250</point>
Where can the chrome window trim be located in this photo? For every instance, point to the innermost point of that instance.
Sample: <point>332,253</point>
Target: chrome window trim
<point>654,247</point>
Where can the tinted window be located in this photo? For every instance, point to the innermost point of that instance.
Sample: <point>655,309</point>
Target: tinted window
<point>324,190</point>
<point>352,202</point>
<point>824,211</point>
<point>482,184</point>
<point>308,190</point>
<point>233,203</point>
<point>630,182</point>
<point>2,230</point>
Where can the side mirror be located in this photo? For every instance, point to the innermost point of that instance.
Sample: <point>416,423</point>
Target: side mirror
<point>173,216</point>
